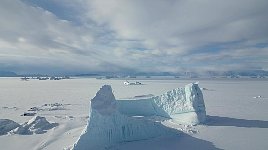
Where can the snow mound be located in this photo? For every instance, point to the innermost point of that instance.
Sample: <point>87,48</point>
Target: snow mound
<point>183,105</point>
<point>107,126</point>
<point>7,125</point>
<point>37,125</point>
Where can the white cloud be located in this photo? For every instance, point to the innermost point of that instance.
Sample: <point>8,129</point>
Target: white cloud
<point>120,35</point>
<point>185,22</point>
<point>31,32</point>
<point>182,28</point>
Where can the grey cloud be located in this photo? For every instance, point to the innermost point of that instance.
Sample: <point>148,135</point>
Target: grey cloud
<point>182,28</point>
<point>120,35</point>
<point>190,22</point>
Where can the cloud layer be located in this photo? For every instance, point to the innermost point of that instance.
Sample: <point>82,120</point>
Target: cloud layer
<point>133,36</point>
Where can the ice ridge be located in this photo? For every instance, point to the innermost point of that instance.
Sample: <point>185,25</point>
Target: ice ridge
<point>183,105</point>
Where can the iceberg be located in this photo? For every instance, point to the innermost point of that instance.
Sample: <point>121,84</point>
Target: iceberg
<point>114,121</point>
<point>107,126</point>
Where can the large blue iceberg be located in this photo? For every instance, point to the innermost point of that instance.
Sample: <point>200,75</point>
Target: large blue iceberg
<point>113,121</point>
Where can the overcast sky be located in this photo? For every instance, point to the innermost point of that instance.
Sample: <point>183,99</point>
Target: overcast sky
<point>83,36</point>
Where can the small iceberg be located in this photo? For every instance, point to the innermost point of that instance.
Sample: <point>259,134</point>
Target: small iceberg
<point>25,78</point>
<point>132,83</point>
<point>257,96</point>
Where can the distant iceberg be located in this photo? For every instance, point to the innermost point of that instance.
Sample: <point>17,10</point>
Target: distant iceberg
<point>112,121</point>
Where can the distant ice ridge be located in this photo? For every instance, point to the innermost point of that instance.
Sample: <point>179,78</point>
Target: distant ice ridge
<point>183,105</point>
<point>111,121</point>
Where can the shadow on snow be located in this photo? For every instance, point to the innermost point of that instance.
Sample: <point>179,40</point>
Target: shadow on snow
<point>226,121</point>
<point>176,141</point>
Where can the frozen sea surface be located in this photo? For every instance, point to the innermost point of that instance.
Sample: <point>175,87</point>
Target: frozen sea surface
<point>237,112</point>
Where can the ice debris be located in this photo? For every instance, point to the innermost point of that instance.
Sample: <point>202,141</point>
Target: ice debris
<point>7,125</point>
<point>49,107</point>
<point>37,125</point>
<point>112,121</point>
<point>257,96</point>
<point>28,114</point>
<point>15,108</point>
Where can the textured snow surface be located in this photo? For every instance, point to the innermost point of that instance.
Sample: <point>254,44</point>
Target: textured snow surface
<point>107,125</point>
<point>235,119</point>
<point>37,125</point>
<point>7,125</point>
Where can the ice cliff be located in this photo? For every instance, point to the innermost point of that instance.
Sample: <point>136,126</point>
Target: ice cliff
<point>113,121</point>
<point>183,105</point>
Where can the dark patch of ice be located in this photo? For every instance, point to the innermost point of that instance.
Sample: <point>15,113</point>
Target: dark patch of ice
<point>28,114</point>
<point>49,107</point>
<point>5,107</point>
